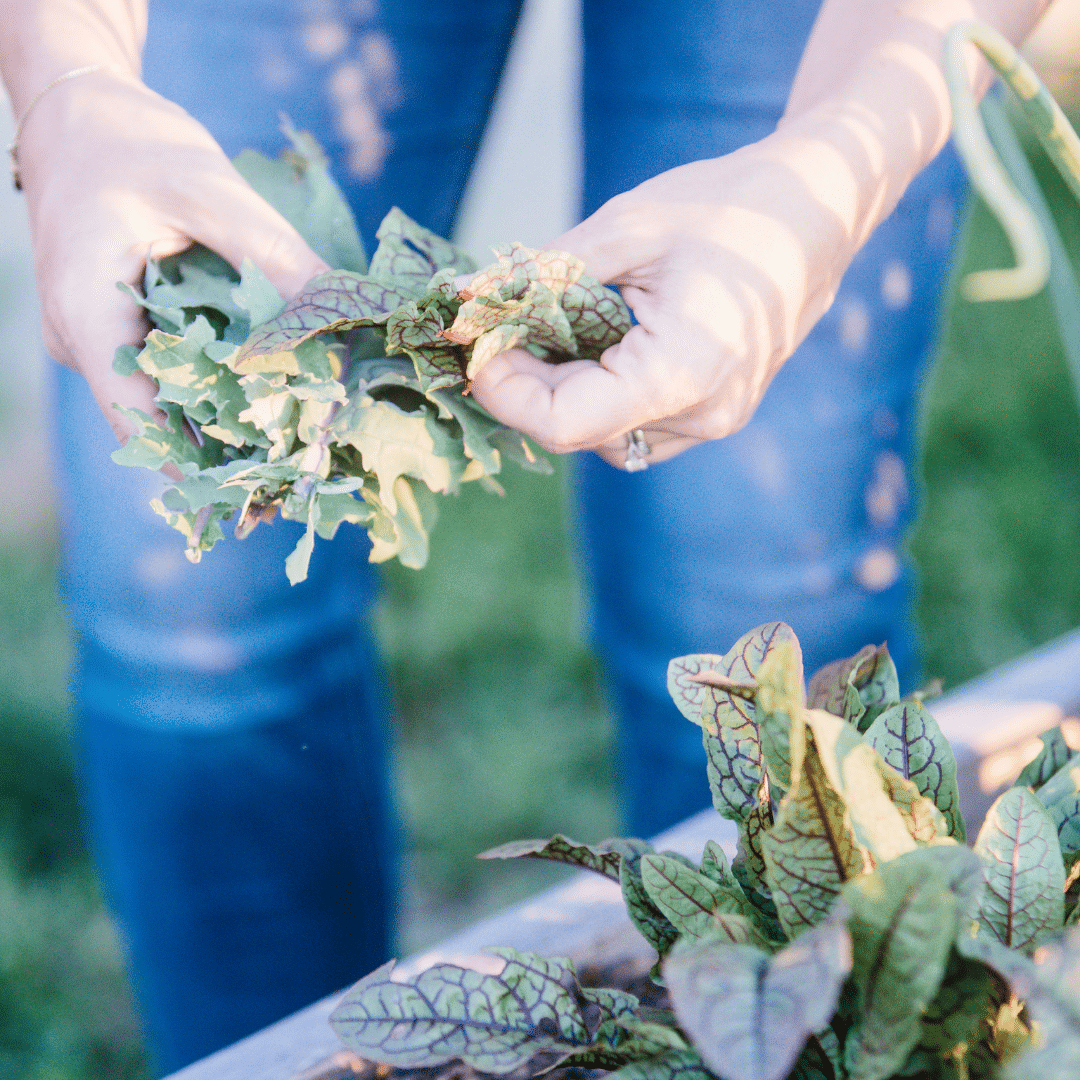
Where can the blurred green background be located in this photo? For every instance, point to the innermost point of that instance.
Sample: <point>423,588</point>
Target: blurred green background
<point>503,727</point>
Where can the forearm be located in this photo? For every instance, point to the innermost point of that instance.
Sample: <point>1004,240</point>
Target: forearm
<point>42,39</point>
<point>870,104</point>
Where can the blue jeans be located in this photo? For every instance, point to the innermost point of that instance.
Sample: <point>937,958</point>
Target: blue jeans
<point>231,728</point>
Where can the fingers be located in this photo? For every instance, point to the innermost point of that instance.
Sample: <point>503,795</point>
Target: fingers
<point>659,446</point>
<point>229,217</point>
<point>649,376</point>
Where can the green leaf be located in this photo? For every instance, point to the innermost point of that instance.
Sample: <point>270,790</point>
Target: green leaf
<point>336,508</point>
<point>1054,754</point>
<point>904,919</point>
<point>493,1022</point>
<point>477,427</point>
<point>908,738</point>
<point>604,858</point>
<point>750,1014</point>
<point>888,813</point>
<point>751,831</point>
<point>514,446</point>
<point>1063,784</point>
<point>958,1011</point>
<point>870,673</point>
<point>296,564</point>
<point>653,925</point>
<point>1023,869</point>
<point>256,295</point>
<point>812,850</point>
<point>300,187</point>
<point>1048,990</point>
<point>409,253</point>
<point>672,1065</point>
<point>154,445</point>
<point>392,443</point>
<point>336,300</point>
<point>689,899</point>
<point>412,521</point>
<point>124,360</point>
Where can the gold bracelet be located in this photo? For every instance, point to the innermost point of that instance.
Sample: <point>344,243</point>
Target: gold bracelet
<point>13,146</point>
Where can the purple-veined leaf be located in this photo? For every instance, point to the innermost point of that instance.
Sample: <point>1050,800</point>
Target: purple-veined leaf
<point>1023,870</point>
<point>751,831</point>
<point>336,300</point>
<point>670,1065</point>
<point>726,716</point>
<point>779,708</point>
<point>517,267</point>
<point>598,317</point>
<point>904,919</point>
<point>494,1022</point>
<point>887,812</point>
<point>858,688</point>
<point>812,849</point>
<point>687,691</point>
<point>410,254</point>
<point>603,858</point>
<point>653,925</point>
<point>908,738</point>
<point>1055,754</point>
<point>689,899</point>
<point>750,1014</point>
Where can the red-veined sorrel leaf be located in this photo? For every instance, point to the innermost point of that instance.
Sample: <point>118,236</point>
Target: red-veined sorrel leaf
<point>1023,869</point>
<point>601,858</point>
<point>908,738</point>
<point>904,919</point>
<point>750,1014</point>
<point>494,1022</point>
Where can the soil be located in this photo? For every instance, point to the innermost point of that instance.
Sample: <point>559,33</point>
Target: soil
<point>626,975</point>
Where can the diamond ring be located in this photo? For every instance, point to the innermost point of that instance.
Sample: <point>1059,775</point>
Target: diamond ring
<point>637,450</point>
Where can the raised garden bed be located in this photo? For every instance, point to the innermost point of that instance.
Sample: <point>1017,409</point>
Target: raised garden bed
<point>992,723</point>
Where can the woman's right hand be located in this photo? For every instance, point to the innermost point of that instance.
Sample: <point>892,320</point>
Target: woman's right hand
<point>115,174</point>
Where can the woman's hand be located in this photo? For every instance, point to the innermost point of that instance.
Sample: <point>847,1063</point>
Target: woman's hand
<point>726,264</point>
<point>115,174</point>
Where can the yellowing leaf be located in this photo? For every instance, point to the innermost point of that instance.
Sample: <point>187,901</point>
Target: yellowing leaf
<point>812,850</point>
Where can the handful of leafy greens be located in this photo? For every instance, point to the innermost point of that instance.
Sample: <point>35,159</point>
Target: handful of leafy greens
<point>853,937</point>
<point>350,402</point>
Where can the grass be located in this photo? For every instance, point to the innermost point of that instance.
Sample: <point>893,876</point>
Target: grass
<point>999,540</point>
<point>504,730</point>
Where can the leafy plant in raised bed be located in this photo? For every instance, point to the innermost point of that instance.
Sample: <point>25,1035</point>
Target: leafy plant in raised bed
<point>350,402</point>
<point>853,936</point>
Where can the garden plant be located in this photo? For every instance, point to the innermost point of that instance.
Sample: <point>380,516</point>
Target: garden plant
<point>854,935</point>
<point>349,403</point>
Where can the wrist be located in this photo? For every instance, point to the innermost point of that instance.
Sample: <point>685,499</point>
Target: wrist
<point>70,116</point>
<point>44,39</point>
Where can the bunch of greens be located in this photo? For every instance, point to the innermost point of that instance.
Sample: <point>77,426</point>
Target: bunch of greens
<point>853,937</point>
<point>350,402</point>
